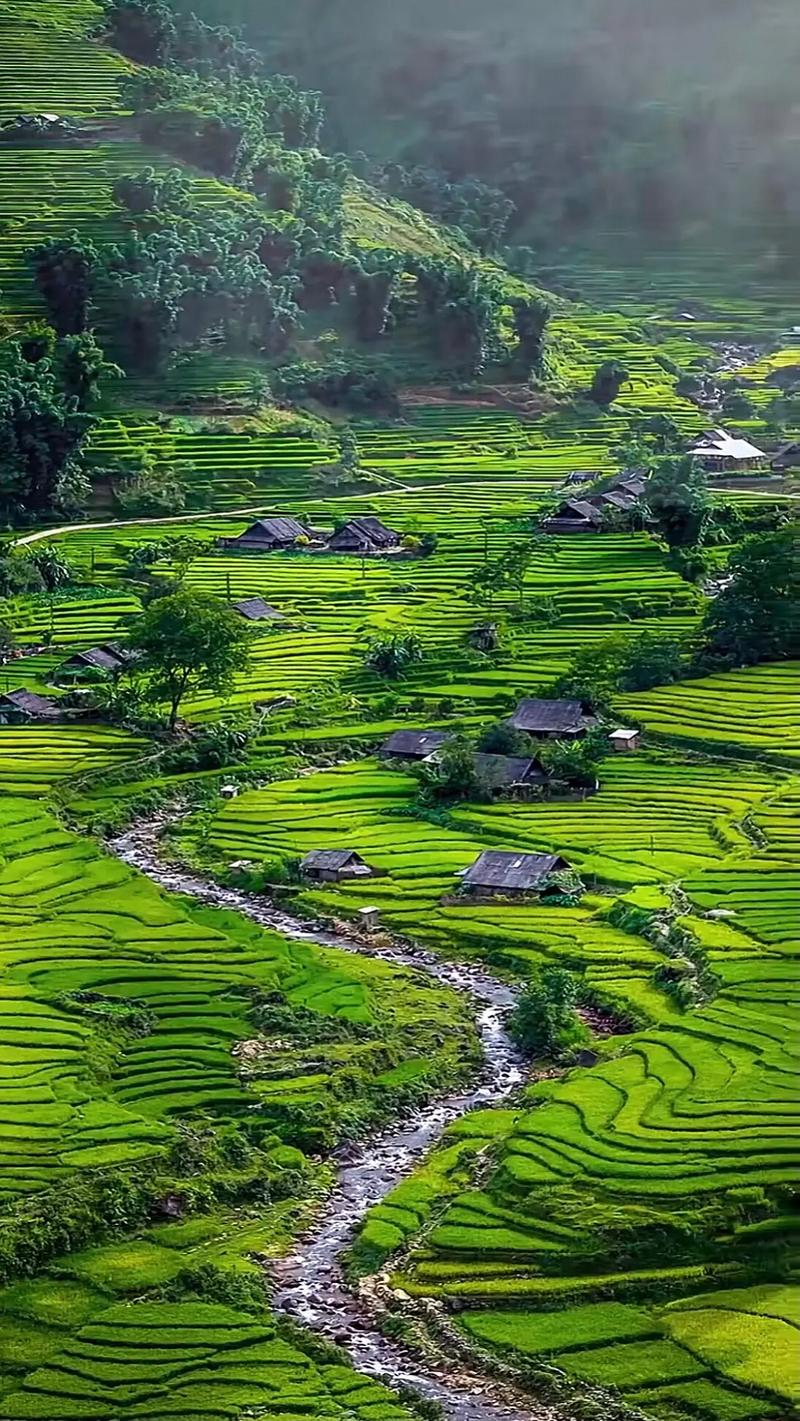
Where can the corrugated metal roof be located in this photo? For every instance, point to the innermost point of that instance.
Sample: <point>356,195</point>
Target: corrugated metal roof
<point>719,444</point>
<point>496,869</point>
<point>414,742</point>
<point>255,609</point>
<point>538,715</point>
<point>280,529</point>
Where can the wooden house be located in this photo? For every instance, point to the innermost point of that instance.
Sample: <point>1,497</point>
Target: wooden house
<point>552,720</point>
<point>624,741</point>
<point>509,774</point>
<point>363,535</point>
<point>21,707</point>
<point>413,744</point>
<point>333,865</point>
<point>721,453</point>
<point>500,874</point>
<point>266,535</point>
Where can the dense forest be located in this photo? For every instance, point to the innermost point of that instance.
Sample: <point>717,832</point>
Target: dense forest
<point>598,115</point>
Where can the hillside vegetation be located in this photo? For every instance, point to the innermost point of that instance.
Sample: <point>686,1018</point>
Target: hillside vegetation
<point>597,116</point>
<point>218,316</point>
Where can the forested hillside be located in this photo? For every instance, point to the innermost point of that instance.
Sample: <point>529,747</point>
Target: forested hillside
<point>623,115</point>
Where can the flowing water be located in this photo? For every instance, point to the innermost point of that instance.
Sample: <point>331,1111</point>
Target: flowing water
<point>309,1284</point>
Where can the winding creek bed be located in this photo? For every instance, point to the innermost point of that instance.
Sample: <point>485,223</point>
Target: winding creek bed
<point>309,1283</point>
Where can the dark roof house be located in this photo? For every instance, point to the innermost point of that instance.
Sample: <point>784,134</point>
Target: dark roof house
<point>255,609</point>
<point>615,498</point>
<point>363,535</point>
<point>788,457</point>
<point>559,719</point>
<point>21,705</point>
<point>498,872</point>
<point>502,772</point>
<point>330,865</point>
<point>413,744</point>
<point>107,659</point>
<point>576,515</point>
<point>280,531</point>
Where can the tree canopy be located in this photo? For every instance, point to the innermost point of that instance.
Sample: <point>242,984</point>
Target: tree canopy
<point>755,618</point>
<point>189,641</point>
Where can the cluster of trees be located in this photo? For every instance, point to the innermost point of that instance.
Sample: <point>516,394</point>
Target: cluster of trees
<point>46,388</point>
<point>544,1022</point>
<point>481,212</point>
<point>621,664</point>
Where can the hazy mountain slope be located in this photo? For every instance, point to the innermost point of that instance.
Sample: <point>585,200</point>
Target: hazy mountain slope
<point>597,112</point>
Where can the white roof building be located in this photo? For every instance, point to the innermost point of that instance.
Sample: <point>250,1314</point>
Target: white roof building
<point>717,445</point>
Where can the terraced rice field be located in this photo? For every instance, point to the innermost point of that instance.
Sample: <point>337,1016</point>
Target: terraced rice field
<point>601,1181</point>
<point>195,1361</point>
<point>47,63</point>
<point>76,920</point>
<point>754,711</point>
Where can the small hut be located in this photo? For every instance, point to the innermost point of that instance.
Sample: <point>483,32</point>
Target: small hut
<point>552,720</point>
<point>332,865</point>
<point>788,457</point>
<point>266,535</point>
<point>624,741</point>
<point>363,535</point>
<point>255,609</point>
<point>97,662</point>
<point>509,774</point>
<point>507,874</point>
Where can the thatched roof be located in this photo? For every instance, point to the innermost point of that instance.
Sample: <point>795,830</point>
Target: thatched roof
<point>526,872</point>
<point>366,532</point>
<point>280,529</point>
<point>102,658</point>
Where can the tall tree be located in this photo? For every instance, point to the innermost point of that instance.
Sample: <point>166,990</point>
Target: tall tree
<point>678,499</point>
<point>375,281</point>
<point>530,321</point>
<point>82,366</point>
<point>41,435</point>
<point>189,641</point>
<point>755,618</point>
<point>64,270</point>
<point>607,384</point>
